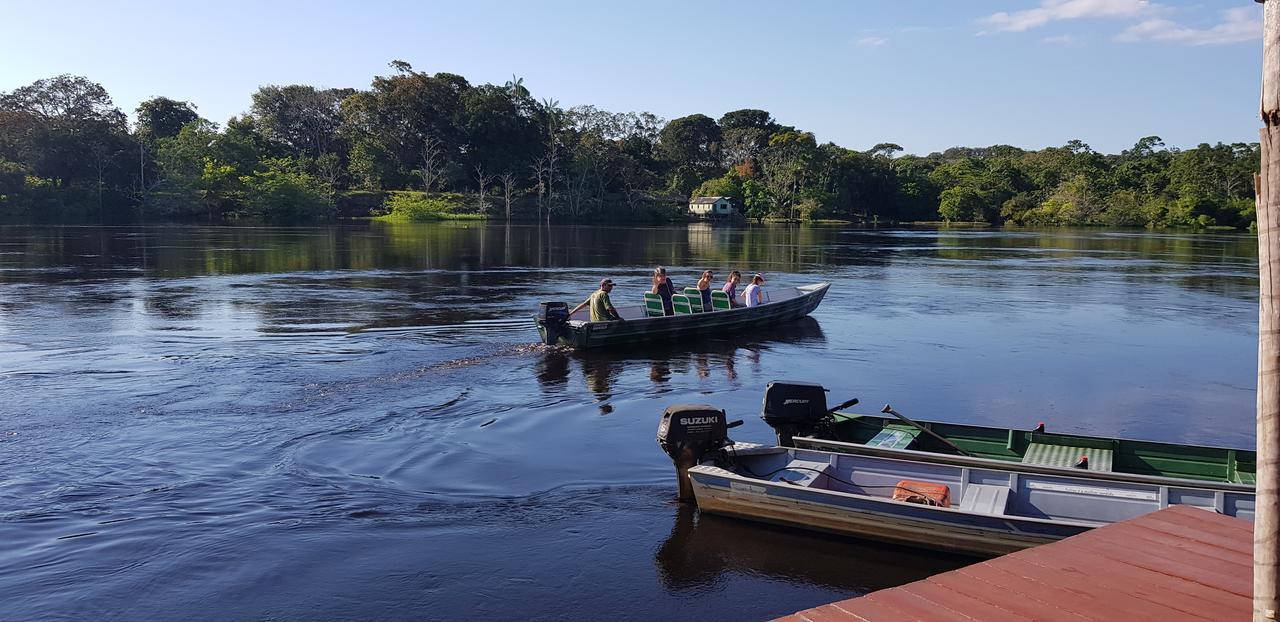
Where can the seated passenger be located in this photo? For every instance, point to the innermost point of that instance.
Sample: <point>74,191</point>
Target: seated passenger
<point>753,294</point>
<point>663,287</point>
<point>731,288</point>
<point>704,289</point>
<point>601,307</point>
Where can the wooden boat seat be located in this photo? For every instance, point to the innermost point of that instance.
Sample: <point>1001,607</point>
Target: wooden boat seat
<point>653,305</point>
<point>894,436</point>
<point>1066,456</point>
<point>804,473</point>
<point>720,301</point>
<point>985,498</point>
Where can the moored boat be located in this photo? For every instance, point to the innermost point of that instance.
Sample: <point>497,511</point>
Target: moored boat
<point>973,510</point>
<point>784,304</point>
<point>812,426</point>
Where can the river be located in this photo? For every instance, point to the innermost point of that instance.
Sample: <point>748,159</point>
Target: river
<point>357,422</point>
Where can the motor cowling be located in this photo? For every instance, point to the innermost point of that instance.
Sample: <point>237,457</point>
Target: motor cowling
<point>687,433</point>
<point>553,319</point>
<point>792,408</point>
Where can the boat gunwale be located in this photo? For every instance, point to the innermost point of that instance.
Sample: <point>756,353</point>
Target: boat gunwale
<point>851,416</point>
<point>916,455</point>
<point>715,471</point>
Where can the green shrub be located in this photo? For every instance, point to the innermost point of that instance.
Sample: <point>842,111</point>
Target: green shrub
<point>418,207</point>
<point>284,194</point>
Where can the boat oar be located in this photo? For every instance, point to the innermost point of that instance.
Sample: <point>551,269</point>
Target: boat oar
<point>889,410</point>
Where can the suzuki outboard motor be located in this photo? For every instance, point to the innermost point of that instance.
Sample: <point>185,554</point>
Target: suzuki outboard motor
<point>792,408</point>
<point>553,321</point>
<point>688,432</point>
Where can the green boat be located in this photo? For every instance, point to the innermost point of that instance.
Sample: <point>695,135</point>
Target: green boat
<point>798,413</point>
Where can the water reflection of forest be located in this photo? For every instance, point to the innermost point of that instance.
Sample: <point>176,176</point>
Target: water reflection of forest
<point>707,357</point>
<point>1219,264</point>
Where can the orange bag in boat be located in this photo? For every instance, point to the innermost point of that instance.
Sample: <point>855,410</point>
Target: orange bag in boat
<point>926,493</point>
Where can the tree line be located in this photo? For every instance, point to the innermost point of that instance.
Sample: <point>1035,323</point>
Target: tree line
<point>414,139</point>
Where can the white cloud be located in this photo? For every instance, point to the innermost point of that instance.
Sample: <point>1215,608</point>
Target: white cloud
<point>1051,10</point>
<point>1060,40</point>
<point>1238,24</point>
<point>872,42</point>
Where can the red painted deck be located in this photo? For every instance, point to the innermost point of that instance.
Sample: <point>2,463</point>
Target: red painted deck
<point>1179,563</point>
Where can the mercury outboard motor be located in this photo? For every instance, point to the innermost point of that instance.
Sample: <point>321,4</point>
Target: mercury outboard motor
<point>553,321</point>
<point>796,408</point>
<point>688,432</point>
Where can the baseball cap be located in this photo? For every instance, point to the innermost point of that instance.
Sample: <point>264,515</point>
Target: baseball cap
<point>604,282</point>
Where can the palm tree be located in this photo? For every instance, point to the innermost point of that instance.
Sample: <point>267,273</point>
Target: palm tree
<point>515,86</point>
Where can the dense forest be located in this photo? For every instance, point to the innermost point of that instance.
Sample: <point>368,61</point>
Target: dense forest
<point>424,146</point>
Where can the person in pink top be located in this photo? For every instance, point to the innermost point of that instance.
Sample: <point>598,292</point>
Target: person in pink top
<point>731,288</point>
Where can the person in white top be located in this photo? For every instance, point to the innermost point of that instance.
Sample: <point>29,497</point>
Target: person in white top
<point>752,294</point>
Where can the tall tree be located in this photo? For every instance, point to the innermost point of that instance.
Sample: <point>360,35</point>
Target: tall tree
<point>161,117</point>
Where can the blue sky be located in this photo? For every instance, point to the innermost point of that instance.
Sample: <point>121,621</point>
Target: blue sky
<point>926,75</point>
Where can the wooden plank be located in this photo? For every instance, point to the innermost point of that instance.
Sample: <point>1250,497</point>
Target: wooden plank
<point>1153,567</point>
<point>1052,597</point>
<point>1159,537</point>
<point>1231,542</point>
<point>916,607</point>
<point>1214,573</point>
<point>1090,596</point>
<point>1024,605</point>
<point>1202,519</point>
<point>963,600</point>
<point>1144,584</point>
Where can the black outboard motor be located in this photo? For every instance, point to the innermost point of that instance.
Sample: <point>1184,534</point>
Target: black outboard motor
<point>792,408</point>
<point>553,321</point>
<point>688,432</point>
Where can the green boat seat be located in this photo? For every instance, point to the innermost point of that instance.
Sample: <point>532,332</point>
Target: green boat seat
<point>720,301</point>
<point>695,299</point>
<point>653,305</point>
<point>1066,456</point>
<point>681,304</point>
<point>894,436</point>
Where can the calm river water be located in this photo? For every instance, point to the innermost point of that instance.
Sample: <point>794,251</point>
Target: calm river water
<point>357,422</point>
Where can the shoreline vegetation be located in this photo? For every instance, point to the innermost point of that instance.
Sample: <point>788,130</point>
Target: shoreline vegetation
<point>423,147</point>
<point>409,206</point>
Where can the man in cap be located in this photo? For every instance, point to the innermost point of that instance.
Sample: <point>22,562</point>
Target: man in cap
<point>601,308</point>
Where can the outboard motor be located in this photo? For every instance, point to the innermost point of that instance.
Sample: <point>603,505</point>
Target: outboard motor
<point>797,408</point>
<point>688,432</point>
<point>553,321</point>
<point>792,408</point>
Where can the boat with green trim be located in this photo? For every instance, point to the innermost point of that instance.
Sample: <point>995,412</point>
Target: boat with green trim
<point>643,323</point>
<point>799,416</point>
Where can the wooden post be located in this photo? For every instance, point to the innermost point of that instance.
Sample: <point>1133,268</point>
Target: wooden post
<point>1266,528</point>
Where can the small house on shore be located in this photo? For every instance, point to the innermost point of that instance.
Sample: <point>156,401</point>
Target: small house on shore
<point>711,207</point>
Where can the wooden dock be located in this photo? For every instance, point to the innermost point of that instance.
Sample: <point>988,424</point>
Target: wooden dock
<point>1180,563</point>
